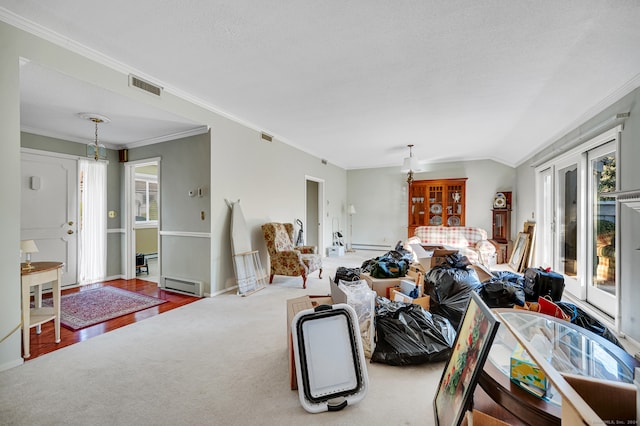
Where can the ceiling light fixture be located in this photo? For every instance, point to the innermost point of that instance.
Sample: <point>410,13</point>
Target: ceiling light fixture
<point>410,165</point>
<point>95,149</point>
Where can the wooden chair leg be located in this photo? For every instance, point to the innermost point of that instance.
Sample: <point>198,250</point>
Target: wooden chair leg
<point>271,278</point>
<point>304,281</point>
<point>320,273</point>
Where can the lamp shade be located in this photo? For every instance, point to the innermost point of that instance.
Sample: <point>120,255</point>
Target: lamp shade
<point>411,164</point>
<point>28,246</point>
<point>352,209</point>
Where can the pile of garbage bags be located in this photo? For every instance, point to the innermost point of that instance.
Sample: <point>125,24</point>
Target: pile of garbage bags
<point>406,334</point>
<point>449,288</point>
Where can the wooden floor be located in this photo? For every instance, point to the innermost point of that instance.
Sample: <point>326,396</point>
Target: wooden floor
<point>44,342</point>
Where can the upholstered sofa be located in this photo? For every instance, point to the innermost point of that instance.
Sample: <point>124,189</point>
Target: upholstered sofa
<point>287,259</point>
<point>469,241</point>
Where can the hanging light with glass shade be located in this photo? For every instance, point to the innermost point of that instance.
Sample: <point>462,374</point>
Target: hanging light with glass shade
<point>95,149</point>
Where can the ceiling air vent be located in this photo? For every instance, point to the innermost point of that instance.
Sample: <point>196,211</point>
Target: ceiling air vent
<point>144,85</point>
<point>266,137</point>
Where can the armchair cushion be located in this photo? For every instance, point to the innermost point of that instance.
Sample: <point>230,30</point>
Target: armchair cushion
<point>470,241</point>
<point>285,258</point>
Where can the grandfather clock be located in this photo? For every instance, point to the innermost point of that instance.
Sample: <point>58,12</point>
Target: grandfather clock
<point>501,229</point>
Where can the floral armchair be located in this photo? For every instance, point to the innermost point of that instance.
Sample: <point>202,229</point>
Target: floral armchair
<point>286,259</point>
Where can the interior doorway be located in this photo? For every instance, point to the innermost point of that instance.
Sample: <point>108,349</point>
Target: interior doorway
<point>314,212</point>
<point>142,188</point>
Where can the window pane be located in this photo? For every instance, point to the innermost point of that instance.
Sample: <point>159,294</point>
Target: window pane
<point>153,201</point>
<point>141,201</point>
<point>604,222</point>
<point>568,219</point>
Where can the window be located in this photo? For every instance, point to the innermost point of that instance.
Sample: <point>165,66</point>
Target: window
<point>146,199</point>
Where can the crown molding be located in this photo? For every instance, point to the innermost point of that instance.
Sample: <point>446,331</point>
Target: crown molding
<point>165,138</point>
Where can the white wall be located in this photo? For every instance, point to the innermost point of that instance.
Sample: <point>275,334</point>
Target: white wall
<point>10,349</point>
<point>380,197</point>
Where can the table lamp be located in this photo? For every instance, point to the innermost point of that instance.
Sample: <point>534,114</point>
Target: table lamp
<point>28,247</point>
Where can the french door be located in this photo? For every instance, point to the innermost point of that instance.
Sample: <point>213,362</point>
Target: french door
<point>577,220</point>
<point>601,210</point>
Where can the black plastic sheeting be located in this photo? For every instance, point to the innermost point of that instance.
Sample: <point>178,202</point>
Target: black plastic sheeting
<point>504,290</point>
<point>449,290</point>
<point>406,334</point>
<point>586,321</point>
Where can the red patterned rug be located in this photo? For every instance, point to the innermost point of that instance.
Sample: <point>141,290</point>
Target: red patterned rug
<point>89,307</point>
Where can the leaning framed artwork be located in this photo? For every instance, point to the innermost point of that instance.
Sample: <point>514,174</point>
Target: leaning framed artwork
<point>460,376</point>
<point>519,250</point>
<point>529,228</point>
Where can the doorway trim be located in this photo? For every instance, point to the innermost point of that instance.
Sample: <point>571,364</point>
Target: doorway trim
<point>321,209</point>
<point>129,203</point>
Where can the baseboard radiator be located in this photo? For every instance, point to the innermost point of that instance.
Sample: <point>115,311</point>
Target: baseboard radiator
<point>181,285</point>
<point>374,247</point>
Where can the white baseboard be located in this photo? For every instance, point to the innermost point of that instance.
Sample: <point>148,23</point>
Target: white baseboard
<point>11,364</point>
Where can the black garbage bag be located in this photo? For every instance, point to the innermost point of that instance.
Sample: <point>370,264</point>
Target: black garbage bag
<point>456,260</point>
<point>498,293</point>
<point>580,318</point>
<point>450,290</point>
<point>406,334</point>
<point>392,264</point>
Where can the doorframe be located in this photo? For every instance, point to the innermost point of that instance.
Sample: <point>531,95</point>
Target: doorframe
<point>321,209</point>
<point>129,228</point>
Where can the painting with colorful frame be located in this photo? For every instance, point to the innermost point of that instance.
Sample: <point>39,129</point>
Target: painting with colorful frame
<point>460,376</point>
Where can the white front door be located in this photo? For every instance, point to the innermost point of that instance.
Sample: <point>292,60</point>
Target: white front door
<point>50,208</point>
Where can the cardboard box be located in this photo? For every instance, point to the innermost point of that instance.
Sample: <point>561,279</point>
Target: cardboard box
<point>525,370</point>
<point>335,251</point>
<point>431,256</point>
<point>293,307</point>
<point>398,296</point>
<point>381,285</point>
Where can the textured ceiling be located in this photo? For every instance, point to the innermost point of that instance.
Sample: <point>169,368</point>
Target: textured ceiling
<point>354,82</point>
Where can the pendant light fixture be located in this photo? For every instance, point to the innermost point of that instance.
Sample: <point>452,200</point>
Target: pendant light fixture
<point>410,165</point>
<point>95,149</point>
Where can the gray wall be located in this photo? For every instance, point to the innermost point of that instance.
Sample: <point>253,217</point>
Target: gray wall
<point>380,197</point>
<point>184,166</point>
<point>629,220</point>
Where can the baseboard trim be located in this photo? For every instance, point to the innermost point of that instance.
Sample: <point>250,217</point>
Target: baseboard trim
<point>11,364</point>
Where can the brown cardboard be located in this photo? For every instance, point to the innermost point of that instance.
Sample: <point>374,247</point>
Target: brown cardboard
<point>619,405</point>
<point>483,273</point>
<point>478,418</point>
<point>293,307</point>
<point>398,296</point>
<point>440,256</point>
<point>380,285</point>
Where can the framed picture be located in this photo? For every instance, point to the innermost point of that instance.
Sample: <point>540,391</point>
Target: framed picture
<point>519,250</point>
<point>529,228</point>
<point>460,376</point>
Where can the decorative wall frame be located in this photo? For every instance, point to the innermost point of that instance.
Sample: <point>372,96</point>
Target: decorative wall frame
<point>460,376</point>
<point>519,250</point>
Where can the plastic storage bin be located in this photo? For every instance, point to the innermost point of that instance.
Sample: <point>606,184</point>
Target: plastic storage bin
<point>330,363</point>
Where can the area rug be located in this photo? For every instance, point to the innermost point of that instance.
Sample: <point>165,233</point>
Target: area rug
<point>89,307</point>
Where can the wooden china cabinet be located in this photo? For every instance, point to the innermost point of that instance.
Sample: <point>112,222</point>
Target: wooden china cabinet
<point>439,202</point>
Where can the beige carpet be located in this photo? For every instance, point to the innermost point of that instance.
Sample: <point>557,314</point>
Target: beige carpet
<point>218,361</point>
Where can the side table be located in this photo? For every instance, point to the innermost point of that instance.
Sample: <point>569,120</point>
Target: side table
<point>40,273</point>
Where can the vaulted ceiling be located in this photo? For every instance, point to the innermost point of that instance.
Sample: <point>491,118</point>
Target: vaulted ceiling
<point>353,82</point>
